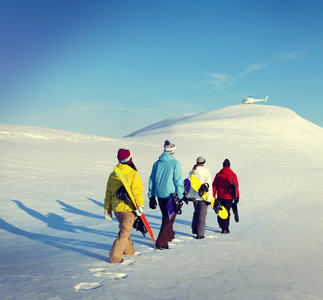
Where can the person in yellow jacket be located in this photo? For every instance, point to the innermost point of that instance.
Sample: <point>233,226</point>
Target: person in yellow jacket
<point>124,210</point>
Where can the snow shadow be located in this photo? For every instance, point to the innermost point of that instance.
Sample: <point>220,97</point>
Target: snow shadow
<point>96,202</point>
<point>58,242</point>
<point>57,222</point>
<point>73,210</point>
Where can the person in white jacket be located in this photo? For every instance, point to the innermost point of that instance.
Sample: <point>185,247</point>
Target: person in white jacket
<point>200,205</point>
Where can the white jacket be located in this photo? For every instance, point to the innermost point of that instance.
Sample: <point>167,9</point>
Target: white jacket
<point>204,176</point>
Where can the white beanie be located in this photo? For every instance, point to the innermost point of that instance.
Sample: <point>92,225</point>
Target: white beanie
<point>200,160</point>
<point>168,147</point>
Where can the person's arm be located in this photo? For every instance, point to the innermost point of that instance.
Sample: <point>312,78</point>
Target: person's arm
<point>151,184</point>
<point>178,181</point>
<point>108,196</point>
<point>237,185</point>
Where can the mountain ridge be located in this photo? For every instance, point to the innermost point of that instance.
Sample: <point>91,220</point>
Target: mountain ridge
<point>269,122</point>
<point>262,121</point>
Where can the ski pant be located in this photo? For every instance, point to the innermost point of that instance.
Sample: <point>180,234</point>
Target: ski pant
<point>224,224</point>
<point>199,216</point>
<point>166,233</point>
<point>123,244</point>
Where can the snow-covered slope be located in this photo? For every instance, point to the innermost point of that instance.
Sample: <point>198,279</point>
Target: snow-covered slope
<point>248,121</point>
<point>18,132</point>
<point>55,240</point>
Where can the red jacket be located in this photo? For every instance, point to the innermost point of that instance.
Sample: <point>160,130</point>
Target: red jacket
<point>221,184</point>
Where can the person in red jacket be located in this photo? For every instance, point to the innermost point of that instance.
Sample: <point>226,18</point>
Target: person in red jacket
<point>222,184</point>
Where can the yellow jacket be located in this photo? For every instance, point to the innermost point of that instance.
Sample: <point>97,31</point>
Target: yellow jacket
<point>111,202</point>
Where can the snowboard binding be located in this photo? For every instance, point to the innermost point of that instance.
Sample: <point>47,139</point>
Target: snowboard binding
<point>122,194</point>
<point>140,226</point>
<point>186,189</point>
<point>177,203</point>
<point>217,206</point>
<point>203,189</point>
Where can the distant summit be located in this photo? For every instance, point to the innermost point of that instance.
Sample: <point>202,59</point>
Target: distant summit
<point>243,121</point>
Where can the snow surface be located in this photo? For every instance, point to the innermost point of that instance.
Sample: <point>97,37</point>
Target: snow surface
<point>55,240</point>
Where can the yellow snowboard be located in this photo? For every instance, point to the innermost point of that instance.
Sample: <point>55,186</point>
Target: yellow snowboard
<point>223,213</point>
<point>195,185</point>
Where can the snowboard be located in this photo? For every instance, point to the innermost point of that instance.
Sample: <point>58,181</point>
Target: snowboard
<point>235,212</point>
<point>187,186</point>
<point>234,197</point>
<point>170,206</point>
<point>195,185</point>
<point>127,187</point>
<point>170,209</point>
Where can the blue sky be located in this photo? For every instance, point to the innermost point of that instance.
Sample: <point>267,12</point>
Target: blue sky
<point>113,67</point>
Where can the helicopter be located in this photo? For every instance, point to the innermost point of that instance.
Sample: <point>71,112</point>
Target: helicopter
<point>251,99</point>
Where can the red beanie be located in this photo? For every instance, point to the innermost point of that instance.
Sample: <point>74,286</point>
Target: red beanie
<point>124,156</point>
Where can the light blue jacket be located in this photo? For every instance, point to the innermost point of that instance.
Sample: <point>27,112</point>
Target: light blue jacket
<point>166,177</point>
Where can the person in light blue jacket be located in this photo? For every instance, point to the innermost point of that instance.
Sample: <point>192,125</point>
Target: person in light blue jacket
<point>165,178</point>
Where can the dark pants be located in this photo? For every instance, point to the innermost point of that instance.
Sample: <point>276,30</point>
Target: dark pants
<point>166,233</point>
<point>224,224</point>
<point>199,216</point>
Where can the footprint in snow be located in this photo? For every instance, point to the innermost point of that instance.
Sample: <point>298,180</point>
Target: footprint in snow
<point>176,240</point>
<point>212,237</point>
<point>87,286</point>
<point>176,243</point>
<point>102,272</point>
<point>128,262</point>
<point>97,269</point>
<point>111,275</point>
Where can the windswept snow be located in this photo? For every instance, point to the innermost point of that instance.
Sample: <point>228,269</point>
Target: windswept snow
<point>248,121</point>
<point>9,131</point>
<point>55,240</point>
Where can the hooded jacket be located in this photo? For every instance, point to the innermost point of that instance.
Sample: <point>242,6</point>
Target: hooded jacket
<point>111,202</point>
<point>166,178</point>
<point>221,184</point>
<point>203,176</point>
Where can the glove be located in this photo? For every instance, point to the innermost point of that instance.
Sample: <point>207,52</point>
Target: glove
<point>208,203</point>
<point>139,211</point>
<point>108,215</point>
<point>236,201</point>
<point>152,202</point>
<point>185,199</point>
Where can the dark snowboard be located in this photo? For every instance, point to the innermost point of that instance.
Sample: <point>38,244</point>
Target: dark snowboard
<point>234,197</point>
<point>235,212</point>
